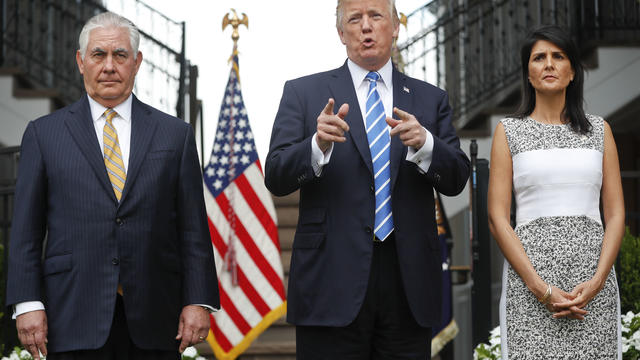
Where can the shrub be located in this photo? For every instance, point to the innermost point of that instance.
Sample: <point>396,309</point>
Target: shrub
<point>629,273</point>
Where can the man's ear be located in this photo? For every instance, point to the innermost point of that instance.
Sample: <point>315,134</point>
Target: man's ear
<point>80,62</point>
<point>341,34</point>
<point>138,61</point>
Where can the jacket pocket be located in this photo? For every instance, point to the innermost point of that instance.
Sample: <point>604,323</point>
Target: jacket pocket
<point>56,264</point>
<point>311,221</point>
<point>308,240</point>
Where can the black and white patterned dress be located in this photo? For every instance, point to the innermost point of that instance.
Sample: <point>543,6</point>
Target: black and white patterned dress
<point>557,176</point>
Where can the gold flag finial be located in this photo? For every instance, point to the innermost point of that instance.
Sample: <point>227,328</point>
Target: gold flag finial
<point>403,19</point>
<point>235,22</point>
<point>395,53</point>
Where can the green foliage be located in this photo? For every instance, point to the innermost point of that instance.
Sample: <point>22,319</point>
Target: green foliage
<point>629,273</point>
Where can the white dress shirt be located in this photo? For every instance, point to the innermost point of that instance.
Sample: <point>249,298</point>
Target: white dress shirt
<point>420,157</point>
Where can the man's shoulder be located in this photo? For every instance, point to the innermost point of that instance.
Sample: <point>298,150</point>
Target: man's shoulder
<point>59,115</point>
<point>319,76</point>
<point>157,115</point>
<point>421,85</point>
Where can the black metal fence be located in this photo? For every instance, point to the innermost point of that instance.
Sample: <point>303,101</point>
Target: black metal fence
<point>471,47</point>
<point>40,39</point>
<point>8,172</point>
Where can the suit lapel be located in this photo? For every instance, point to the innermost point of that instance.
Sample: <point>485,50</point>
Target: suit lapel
<point>401,100</point>
<point>142,130</point>
<point>80,125</point>
<point>341,86</point>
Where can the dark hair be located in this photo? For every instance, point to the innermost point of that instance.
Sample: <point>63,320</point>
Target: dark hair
<point>574,95</point>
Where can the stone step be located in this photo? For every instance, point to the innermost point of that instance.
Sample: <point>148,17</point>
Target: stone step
<point>285,234</point>
<point>287,216</point>
<point>273,350</point>
<point>288,200</point>
<point>285,256</point>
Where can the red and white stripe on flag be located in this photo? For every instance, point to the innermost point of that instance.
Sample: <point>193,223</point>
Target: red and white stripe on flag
<point>242,223</point>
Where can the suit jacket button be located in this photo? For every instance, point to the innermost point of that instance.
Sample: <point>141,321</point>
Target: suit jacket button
<point>368,229</point>
<point>119,221</point>
<point>372,189</point>
<point>115,261</point>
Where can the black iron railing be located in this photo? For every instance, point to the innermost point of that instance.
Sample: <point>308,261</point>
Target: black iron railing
<point>471,48</point>
<point>40,38</point>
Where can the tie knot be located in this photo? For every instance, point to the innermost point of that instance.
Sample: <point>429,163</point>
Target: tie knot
<point>110,114</point>
<point>373,76</point>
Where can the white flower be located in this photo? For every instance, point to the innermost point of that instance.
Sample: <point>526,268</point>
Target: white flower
<point>14,356</point>
<point>200,358</point>
<point>190,352</point>
<point>628,317</point>
<point>494,340</point>
<point>24,354</point>
<point>495,332</point>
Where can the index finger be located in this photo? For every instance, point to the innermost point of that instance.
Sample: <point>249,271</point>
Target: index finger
<point>402,115</point>
<point>186,339</point>
<point>328,109</point>
<point>568,304</point>
<point>41,342</point>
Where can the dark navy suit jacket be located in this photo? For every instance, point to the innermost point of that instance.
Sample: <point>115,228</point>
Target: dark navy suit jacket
<point>155,242</point>
<point>333,243</point>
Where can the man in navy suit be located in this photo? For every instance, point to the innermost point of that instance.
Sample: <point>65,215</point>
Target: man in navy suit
<point>365,279</point>
<point>127,269</point>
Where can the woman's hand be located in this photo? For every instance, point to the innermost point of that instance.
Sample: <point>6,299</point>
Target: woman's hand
<point>560,296</point>
<point>579,298</point>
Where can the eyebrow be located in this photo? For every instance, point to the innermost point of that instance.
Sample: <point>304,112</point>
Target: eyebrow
<point>544,52</point>
<point>101,50</point>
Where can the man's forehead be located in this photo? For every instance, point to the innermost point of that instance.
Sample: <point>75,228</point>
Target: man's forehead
<point>357,6</point>
<point>117,36</point>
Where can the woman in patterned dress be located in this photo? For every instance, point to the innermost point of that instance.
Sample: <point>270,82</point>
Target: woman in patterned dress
<point>559,297</point>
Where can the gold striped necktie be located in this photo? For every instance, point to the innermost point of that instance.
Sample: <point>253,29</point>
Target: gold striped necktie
<point>113,155</point>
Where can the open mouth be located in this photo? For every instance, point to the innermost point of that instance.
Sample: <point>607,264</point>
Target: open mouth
<point>368,42</point>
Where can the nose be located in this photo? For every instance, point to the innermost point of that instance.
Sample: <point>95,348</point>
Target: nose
<point>108,64</point>
<point>366,24</point>
<point>549,61</point>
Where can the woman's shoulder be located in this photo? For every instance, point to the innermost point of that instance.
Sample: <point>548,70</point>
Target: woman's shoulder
<point>597,124</point>
<point>510,122</point>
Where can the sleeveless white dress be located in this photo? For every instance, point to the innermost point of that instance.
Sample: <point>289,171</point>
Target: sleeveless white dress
<point>557,176</point>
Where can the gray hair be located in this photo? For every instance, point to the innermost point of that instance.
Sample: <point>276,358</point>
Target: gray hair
<point>392,11</point>
<point>109,20</point>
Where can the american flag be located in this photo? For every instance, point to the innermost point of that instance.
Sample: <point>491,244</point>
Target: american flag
<point>242,223</point>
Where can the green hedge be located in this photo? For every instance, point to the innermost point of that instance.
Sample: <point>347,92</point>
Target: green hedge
<point>629,273</point>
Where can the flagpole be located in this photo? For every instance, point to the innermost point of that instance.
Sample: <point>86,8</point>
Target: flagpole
<point>230,260</point>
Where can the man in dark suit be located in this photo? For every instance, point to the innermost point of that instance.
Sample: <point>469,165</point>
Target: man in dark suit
<point>116,187</point>
<point>365,279</point>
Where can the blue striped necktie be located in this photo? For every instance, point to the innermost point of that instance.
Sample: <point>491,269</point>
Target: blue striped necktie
<point>379,145</point>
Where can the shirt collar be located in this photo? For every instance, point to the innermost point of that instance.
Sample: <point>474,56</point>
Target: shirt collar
<point>358,74</point>
<point>123,109</point>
